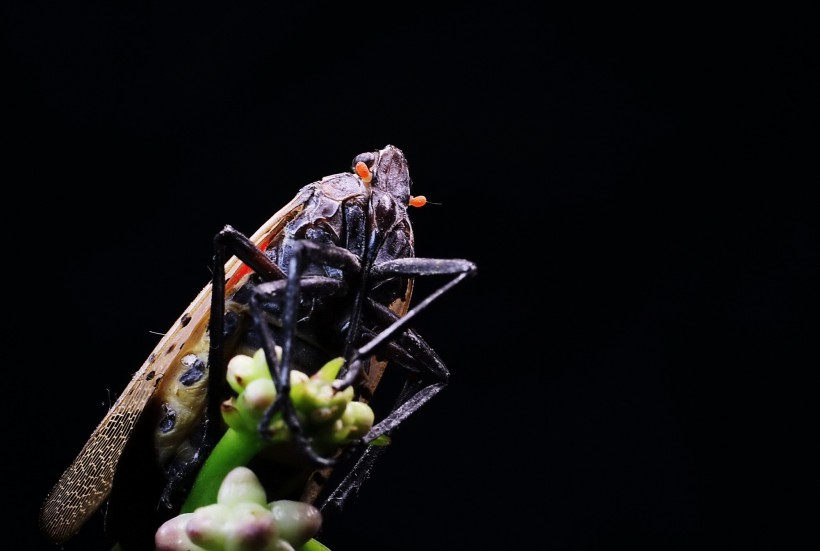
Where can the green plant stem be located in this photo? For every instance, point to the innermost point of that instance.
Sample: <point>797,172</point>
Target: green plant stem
<point>234,449</point>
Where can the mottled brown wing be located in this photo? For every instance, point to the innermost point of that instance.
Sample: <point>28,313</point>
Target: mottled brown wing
<point>86,484</point>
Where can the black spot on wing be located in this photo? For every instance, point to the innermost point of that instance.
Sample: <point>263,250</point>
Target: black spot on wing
<point>193,374</point>
<point>169,419</point>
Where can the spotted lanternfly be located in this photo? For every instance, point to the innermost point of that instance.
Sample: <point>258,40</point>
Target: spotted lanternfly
<point>330,274</point>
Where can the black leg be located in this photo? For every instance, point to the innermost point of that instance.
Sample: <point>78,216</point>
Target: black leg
<point>407,267</point>
<point>303,253</point>
<point>231,242</point>
<point>404,347</point>
<point>396,342</point>
<point>226,243</point>
<point>280,369</point>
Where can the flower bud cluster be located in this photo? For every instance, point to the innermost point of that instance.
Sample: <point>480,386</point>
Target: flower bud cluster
<point>241,520</point>
<point>330,418</point>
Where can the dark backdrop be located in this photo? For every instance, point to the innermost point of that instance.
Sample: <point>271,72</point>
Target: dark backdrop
<point>626,367</point>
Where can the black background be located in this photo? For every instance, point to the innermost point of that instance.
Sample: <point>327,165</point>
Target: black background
<point>628,365</point>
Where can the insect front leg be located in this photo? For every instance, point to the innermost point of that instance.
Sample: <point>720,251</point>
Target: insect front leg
<point>226,243</point>
<point>303,253</point>
<point>423,358</point>
<point>409,267</point>
<point>280,368</point>
<point>181,472</point>
<point>430,376</point>
<point>404,347</point>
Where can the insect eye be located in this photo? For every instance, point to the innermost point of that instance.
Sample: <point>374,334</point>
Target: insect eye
<point>369,159</point>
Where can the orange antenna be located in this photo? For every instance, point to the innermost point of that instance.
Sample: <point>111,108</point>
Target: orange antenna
<point>363,172</point>
<point>418,201</point>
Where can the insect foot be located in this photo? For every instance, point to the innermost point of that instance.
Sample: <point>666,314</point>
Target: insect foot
<point>241,520</point>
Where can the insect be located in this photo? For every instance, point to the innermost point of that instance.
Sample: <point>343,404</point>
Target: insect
<point>330,274</point>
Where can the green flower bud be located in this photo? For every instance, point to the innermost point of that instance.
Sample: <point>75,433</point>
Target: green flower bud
<point>240,370</point>
<point>241,520</point>
<point>358,419</point>
<point>297,521</point>
<point>250,527</point>
<point>330,370</point>
<point>171,536</point>
<point>241,486</point>
<point>232,416</point>
<point>243,369</point>
<point>319,402</point>
<point>258,396</point>
<point>278,429</point>
<point>298,378</point>
<point>206,526</point>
